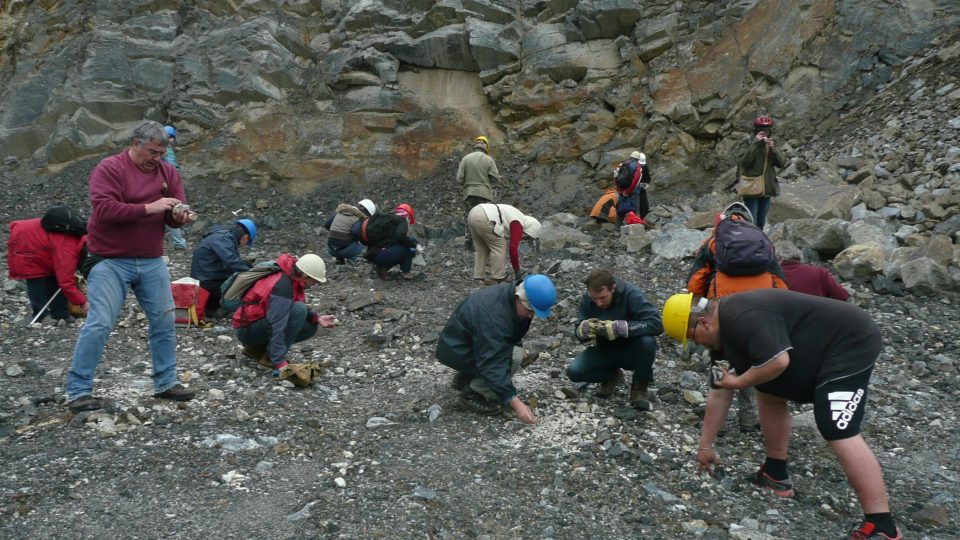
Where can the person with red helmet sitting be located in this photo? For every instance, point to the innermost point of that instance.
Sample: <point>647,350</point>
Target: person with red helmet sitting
<point>387,239</point>
<point>761,158</point>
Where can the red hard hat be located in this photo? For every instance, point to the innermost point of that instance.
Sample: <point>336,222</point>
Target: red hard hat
<point>763,122</point>
<point>406,210</point>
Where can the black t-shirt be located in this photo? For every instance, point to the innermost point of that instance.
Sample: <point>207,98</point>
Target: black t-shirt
<point>826,339</point>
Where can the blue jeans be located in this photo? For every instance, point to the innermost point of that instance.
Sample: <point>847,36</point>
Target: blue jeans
<point>759,207</point>
<point>176,237</point>
<point>39,291</point>
<point>599,362</point>
<point>298,329</point>
<point>350,251</point>
<point>107,289</point>
<point>396,254</point>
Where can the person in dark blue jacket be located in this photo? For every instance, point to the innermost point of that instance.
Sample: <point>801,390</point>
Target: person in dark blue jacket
<point>479,339</point>
<point>617,316</point>
<point>217,257</point>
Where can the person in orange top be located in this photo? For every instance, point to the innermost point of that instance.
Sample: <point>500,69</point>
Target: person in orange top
<point>708,281</point>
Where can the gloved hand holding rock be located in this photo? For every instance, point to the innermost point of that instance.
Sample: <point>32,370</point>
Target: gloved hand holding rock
<point>611,330</point>
<point>587,329</point>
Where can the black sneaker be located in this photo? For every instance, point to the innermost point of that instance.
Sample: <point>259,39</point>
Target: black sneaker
<point>85,403</point>
<point>460,380</point>
<point>477,403</point>
<point>783,488</point>
<point>176,393</point>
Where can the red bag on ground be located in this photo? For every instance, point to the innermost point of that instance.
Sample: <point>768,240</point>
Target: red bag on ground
<point>633,219</point>
<point>189,301</point>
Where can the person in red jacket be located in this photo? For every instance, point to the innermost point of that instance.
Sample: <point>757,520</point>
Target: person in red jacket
<point>274,314</point>
<point>48,262</point>
<point>807,278</point>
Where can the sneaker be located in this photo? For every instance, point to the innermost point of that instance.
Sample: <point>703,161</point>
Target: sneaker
<point>85,403</point>
<point>477,403</point>
<point>783,488</point>
<point>609,387</point>
<point>254,352</point>
<point>639,397</point>
<point>177,392</point>
<point>460,380</point>
<point>868,531</point>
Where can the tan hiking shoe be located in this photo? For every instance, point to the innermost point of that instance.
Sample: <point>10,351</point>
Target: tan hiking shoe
<point>639,398</point>
<point>265,362</point>
<point>609,387</point>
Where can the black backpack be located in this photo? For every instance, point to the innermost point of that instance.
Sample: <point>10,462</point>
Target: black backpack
<point>742,249</point>
<point>63,219</point>
<point>380,229</point>
<point>624,176</point>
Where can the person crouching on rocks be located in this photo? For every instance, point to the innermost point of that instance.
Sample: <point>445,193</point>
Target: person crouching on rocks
<point>624,325</point>
<point>340,242</point>
<point>387,240</point>
<point>274,314</point>
<point>492,226</point>
<point>480,338</point>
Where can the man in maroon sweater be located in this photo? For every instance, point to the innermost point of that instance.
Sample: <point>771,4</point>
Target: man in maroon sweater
<point>133,194</point>
<point>807,278</point>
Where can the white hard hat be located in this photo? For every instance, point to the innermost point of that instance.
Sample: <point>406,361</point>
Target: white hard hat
<point>639,156</point>
<point>368,205</point>
<point>313,266</point>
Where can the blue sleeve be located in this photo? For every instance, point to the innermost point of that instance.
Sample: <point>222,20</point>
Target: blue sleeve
<point>278,314</point>
<point>329,222</point>
<point>229,255</point>
<point>644,319</point>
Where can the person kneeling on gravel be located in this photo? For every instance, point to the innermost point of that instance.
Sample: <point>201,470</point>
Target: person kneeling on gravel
<point>479,339</point>
<point>624,325</point>
<point>274,313</point>
<point>792,347</point>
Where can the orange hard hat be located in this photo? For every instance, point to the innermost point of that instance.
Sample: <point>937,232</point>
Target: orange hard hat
<point>407,211</point>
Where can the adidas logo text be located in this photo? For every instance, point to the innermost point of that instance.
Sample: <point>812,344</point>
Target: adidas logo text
<point>843,405</point>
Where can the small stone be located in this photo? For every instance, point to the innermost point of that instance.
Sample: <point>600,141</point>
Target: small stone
<point>340,482</point>
<point>378,421</point>
<point>424,493</point>
<point>242,415</point>
<point>14,371</point>
<point>216,394</point>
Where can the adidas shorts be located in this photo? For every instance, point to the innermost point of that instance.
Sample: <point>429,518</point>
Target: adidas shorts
<point>838,405</point>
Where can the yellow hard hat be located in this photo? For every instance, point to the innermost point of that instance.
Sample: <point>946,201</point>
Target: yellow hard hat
<point>676,316</point>
<point>483,139</point>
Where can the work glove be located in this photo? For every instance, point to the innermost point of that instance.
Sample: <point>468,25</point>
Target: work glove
<point>612,330</point>
<point>587,329</point>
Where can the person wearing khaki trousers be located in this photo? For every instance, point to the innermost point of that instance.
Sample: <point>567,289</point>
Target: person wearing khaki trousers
<point>495,228</point>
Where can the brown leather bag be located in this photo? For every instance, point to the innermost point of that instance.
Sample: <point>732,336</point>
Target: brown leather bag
<point>301,374</point>
<point>753,186</point>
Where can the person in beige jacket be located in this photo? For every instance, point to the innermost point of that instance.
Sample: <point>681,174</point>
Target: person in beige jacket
<point>491,227</point>
<point>478,174</point>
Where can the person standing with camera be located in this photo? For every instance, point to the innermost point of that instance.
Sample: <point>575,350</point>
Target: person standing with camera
<point>761,158</point>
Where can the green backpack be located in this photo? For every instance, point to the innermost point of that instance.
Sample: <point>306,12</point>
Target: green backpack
<point>237,285</point>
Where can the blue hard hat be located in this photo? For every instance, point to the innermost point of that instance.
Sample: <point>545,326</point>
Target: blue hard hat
<point>172,133</point>
<point>251,228</point>
<point>541,294</point>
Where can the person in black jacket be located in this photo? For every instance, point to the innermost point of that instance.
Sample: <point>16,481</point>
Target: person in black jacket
<point>480,338</point>
<point>623,324</point>
<point>217,257</point>
<point>387,240</point>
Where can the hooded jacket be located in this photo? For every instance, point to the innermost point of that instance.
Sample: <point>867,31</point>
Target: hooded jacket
<point>480,335</point>
<point>217,256</point>
<point>341,223</point>
<point>33,252</point>
<point>273,297</point>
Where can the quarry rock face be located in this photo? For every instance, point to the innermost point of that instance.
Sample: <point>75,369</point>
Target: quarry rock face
<point>308,91</point>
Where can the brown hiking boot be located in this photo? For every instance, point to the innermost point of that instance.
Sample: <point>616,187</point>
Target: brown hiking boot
<point>254,352</point>
<point>639,398</point>
<point>265,362</point>
<point>609,387</point>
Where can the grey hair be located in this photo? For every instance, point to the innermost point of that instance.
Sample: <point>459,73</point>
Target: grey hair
<point>150,131</point>
<point>788,251</point>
